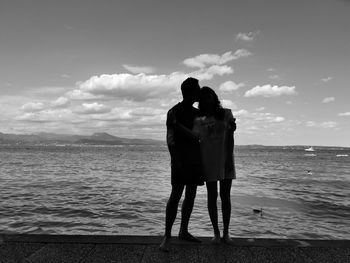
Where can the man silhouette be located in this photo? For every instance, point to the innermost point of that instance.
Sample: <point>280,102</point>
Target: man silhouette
<point>185,161</point>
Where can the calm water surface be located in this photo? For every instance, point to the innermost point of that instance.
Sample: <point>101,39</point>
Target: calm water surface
<point>124,190</point>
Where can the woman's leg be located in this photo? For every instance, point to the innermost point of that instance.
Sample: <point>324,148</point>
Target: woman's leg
<point>212,209</point>
<point>225,195</point>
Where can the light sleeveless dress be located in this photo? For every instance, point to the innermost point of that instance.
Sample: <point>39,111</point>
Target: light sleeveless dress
<point>217,164</point>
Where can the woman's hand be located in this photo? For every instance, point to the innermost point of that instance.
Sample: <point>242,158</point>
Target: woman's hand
<point>234,125</point>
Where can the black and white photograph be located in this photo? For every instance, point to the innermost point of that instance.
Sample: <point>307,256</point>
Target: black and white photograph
<point>174,131</point>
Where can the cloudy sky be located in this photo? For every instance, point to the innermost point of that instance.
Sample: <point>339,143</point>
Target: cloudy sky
<point>81,67</point>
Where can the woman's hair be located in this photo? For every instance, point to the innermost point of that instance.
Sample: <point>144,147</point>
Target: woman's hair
<point>218,110</point>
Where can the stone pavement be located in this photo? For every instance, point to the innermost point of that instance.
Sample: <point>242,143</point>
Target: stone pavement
<point>74,249</point>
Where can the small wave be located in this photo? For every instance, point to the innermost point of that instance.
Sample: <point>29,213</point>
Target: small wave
<point>342,155</point>
<point>15,163</point>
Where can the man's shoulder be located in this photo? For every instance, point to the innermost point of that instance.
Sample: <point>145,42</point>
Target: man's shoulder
<point>175,107</point>
<point>181,110</point>
<point>172,113</point>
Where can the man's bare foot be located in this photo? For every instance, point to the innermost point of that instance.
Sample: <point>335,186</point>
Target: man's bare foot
<point>216,240</point>
<point>227,239</point>
<point>165,245</point>
<point>188,237</point>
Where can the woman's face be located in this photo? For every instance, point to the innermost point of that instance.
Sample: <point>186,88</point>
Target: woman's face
<point>207,104</point>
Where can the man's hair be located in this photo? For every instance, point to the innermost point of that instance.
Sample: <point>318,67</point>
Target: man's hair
<point>188,85</point>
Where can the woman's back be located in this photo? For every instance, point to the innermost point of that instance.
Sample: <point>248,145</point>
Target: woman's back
<point>214,145</point>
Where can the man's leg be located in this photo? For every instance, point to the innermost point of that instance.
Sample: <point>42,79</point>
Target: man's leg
<point>170,214</point>
<point>186,211</point>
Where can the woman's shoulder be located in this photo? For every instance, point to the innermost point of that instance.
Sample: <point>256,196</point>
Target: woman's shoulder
<point>227,111</point>
<point>228,114</point>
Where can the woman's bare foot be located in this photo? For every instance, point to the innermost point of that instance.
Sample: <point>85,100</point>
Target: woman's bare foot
<point>227,239</point>
<point>165,245</point>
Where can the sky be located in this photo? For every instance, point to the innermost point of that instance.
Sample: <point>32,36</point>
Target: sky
<point>81,67</point>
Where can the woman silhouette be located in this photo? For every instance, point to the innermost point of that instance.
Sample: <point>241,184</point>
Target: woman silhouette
<point>215,129</point>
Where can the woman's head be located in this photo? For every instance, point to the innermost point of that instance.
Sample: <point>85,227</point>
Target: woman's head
<point>209,103</point>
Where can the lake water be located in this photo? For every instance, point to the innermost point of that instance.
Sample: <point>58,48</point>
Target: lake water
<point>124,189</point>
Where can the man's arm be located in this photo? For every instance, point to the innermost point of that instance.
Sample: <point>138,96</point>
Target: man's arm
<point>170,132</point>
<point>173,124</point>
<point>186,131</point>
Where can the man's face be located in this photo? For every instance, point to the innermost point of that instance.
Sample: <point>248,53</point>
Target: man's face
<point>196,92</point>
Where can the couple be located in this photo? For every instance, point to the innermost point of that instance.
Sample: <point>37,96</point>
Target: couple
<point>200,142</point>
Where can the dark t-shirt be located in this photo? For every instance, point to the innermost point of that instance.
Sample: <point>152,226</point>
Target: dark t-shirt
<point>183,148</point>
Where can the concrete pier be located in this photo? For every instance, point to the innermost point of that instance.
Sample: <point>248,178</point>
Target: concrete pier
<point>84,249</point>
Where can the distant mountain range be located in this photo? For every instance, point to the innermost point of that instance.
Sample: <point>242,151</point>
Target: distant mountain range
<point>102,138</point>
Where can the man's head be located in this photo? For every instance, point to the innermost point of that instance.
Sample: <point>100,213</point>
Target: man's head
<point>190,89</point>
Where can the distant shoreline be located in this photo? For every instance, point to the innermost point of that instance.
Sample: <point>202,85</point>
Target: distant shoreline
<point>160,143</point>
<point>103,138</point>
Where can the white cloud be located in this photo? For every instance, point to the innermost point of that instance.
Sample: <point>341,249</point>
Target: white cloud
<point>247,36</point>
<point>142,102</point>
<point>47,92</point>
<point>326,124</point>
<point>260,109</point>
<point>344,113</point>
<point>328,99</point>
<point>138,69</point>
<point>46,116</point>
<point>203,60</point>
<point>93,108</point>
<point>141,87</point>
<point>60,102</point>
<point>329,124</point>
<point>277,119</point>
<point>230,86</point>
<point>267,117</point>
<point>138,116</point>
<point>270,91</point>
<point>209,73</point>
<point>327,79</point>
<point>241,112</point>
<point>228,104</point>
<point>240,53</point>
<point>135,87</point>
<point>33,106</point>
<point>262,122</point>
<point>310,124</point>
<point>78,94</point>
<point>147,111</point>
<point>116,114</point>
